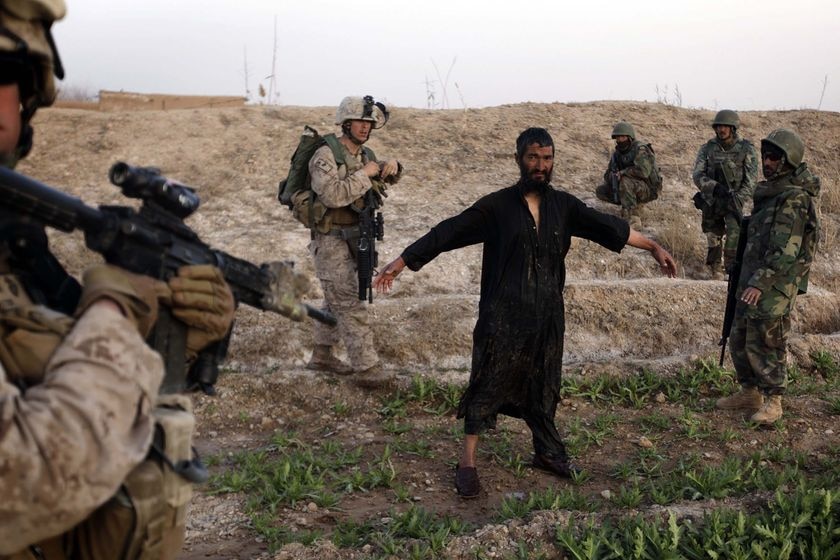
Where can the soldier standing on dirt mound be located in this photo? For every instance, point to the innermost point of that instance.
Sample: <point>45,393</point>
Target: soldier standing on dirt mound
<point>725,173</point>
<point>78,478</point>
<point>632,177</point>
<point>517,356</point>
<point>341,189</point>
<point>781,243</point>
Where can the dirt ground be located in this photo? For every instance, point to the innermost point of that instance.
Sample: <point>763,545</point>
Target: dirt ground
<point>622,317</point>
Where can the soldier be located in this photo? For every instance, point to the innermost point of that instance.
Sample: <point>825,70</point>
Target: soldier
<point>725,172</point>
<point>89,468</point>
<point>341,188</point>
<point>780,247</point>
<point>517,360</point>
<point>632,177</point>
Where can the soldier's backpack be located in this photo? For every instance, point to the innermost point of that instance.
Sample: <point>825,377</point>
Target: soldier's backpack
<point>307,209</point>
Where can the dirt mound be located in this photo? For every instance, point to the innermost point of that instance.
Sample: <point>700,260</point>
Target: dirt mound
<point>236,156</point>
<point>622,317</point>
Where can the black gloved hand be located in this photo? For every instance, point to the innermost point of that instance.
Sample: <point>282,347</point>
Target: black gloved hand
<point>721,191</point>
<point>699,203</point>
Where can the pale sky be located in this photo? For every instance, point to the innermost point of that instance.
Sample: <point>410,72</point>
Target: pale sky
<point>742,55</point>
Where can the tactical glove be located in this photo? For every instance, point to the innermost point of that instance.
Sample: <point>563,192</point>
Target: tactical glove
<point>699,201</point>
<point>136,295</point>
<point>202,300</point>
<point>721,191</point>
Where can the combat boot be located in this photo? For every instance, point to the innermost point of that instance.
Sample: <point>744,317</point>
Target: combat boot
<point>323,360</point>
<point>770,411</point>
<point>374,378</point>
<point>748,398</point>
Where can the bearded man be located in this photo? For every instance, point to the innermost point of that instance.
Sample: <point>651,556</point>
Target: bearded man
<point>517,357</point>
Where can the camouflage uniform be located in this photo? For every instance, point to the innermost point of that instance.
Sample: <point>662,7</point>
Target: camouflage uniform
<point>67,443</point>
<point>341,188</point>
<point>639,182</point>
<point>780,247</point>
<point>734,166</point>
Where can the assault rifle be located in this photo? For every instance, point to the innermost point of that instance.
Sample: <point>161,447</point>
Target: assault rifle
<point>154,241</point>
<point>728,179</point>
<point>615,181</point>
<point>732,288</point>
<point>371,230</point>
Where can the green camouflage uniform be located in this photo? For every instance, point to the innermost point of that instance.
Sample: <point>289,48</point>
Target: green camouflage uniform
<point>734,166</point>
<point>640,181</point>
<point>781,242</point>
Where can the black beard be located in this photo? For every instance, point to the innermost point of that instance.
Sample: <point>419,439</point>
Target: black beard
<point>623,146</point>
<point>529,185</point>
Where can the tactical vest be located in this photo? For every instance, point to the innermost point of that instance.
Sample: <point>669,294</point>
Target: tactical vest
<point>620,161</point>
<point>765,215</point>
<point>311,212</point>
<point>146,518</point>
<point>727,166</point>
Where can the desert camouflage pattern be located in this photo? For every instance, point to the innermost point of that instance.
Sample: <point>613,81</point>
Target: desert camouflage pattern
<point>68,442</point>
<point>637,185</point>
<point>339,188</point>
<point>734,165</point>
<point>781,243</point>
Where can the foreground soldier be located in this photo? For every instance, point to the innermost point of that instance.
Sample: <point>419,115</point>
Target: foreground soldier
<point>725,172</point>
<point>341,189</point>
<point>781,242</point>
<point>631,178</point>
<point>526,230</point>
<point>78,478</point>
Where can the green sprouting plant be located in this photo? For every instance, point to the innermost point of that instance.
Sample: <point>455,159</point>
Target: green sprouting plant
<point>834,406</point>
<point>402,494</point>
<point>393,426</point>
<point>694,427</point>
<point>655,422</point>
<point>513,507</point>
<point>517,465</point>
<point>418,447</point>
<point>340,408</point>
<point>825,364</point>
<point>628,496</point>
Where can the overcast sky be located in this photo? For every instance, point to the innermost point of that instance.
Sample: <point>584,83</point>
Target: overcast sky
<point>747,54</point>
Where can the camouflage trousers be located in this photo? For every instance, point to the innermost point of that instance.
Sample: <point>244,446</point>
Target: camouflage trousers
<point>631,193</point>
<point>759,352</point>
<point>722,227</point>
<point>336,269</point>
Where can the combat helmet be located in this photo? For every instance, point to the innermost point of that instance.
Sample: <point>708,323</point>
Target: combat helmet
<point>789,143</point>
<point>355,108</point>
<point>28,56</point>
<point>624,129</point>
<point>727,117</point>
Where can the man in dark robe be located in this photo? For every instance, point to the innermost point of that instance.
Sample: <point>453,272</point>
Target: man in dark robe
<point>518,339</point>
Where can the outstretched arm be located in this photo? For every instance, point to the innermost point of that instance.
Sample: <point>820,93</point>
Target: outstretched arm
<point>385,279</point>
<point>663,257</point>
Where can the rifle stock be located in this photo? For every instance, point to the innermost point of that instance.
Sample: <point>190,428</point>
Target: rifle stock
<point>154,241</point>
<point>732,288</point>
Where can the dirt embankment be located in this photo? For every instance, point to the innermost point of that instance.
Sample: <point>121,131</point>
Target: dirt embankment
<point>618,309</point>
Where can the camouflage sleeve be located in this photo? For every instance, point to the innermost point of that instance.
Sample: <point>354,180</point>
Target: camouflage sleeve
<point>333,190</point>
<point>704,182</point>
<point>777,266</point>
<point>642,165</point>
<point>747,187</point>
<point>68,443</point>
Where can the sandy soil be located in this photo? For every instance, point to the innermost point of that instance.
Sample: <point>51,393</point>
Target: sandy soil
<point>621,316</point>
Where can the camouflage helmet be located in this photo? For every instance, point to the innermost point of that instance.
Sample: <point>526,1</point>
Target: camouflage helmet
<point>355,108</point>
<point>27,49</point>
<point>789,143</point>
<point>727,117</point>
<point>624,129</point>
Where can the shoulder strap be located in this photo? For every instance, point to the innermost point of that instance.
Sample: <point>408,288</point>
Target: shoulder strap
<point>336,147</point>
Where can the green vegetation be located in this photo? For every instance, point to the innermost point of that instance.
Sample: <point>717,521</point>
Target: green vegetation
<point>690,456</point>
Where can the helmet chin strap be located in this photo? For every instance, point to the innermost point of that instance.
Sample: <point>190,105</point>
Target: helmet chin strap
<point>345,128</point>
